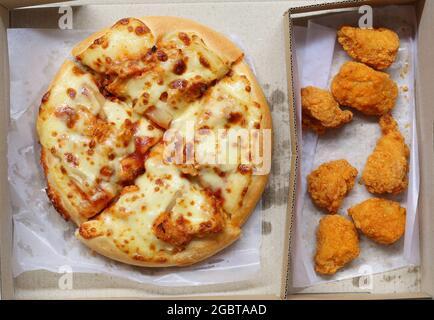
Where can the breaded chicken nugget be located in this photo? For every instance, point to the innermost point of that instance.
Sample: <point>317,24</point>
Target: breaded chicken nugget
<point>330,182</point>
<point>375,47</point>
<point>379,219</point>
<point>387,167</point>
<point>365,89</point>
<point>321,111</point>
<point>337,244</point>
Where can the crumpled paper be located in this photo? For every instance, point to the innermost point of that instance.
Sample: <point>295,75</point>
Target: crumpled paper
<point>319,58</point>
<point>42,239</point>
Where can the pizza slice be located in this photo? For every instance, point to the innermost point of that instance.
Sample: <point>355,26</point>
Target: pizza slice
<point>122,50</point>
<point>160,220</point>
<point>184,69</point>
<point>88,142</point>
<point>227,131</point>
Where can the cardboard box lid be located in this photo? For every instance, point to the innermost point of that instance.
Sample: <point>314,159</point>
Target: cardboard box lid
<point>245,290</point>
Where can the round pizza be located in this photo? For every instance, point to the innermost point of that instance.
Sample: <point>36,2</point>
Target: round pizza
<point>150,141</point>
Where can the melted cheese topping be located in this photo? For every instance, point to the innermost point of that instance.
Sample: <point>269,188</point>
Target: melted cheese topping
<point>228,106</point>
<point>120,49</point>
<point>89,134</point>
<point>129,222</point>
<point>182,70</point>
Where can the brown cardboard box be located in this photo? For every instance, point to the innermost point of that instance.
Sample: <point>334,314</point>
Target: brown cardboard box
<point>267,45</point>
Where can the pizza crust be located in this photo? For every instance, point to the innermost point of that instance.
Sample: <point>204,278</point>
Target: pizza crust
<point>199,248</point>
<point>259,182</point>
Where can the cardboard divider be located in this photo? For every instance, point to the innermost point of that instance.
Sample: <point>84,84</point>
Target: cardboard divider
<point>425,119</point>
<point>5,216</point>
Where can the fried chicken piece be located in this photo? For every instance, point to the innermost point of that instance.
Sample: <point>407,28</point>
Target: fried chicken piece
<point>365,89</point>
<point>387,167</point>
<point>379,219</point>
<point>337,244</point>
<point>375,47</point>
<point>330,182</point>
<point>321,111</point>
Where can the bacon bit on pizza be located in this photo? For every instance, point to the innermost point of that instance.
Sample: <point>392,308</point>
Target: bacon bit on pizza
<point>77,71</point>
<point>197,90</point>
<point>184,38</point>
<point>69,157</point>
<point>130,29</point>
<point>248,88</point>
<point>204,62</point>
<point>123,21</point>
<point>144,99</point>
<point>244,169</point>
<point>92,143</point>
<point>217,194</point>
<point>163,96</point>
<point>178,84</point>
<point>128,189</point>
<point>139,257</point>
<point>219,172</point>
<point>179,67</point>
<point>103,42</point>
<point>129,128</point>
<point>235,117</point>
<point>134,163</point>
<point>143,144</point>
<point>71,93</point>
<point>106,171</point>
<point>63,170</point>
<point>161,55</point>
<point>142,30</point>
<point>45,97</point>
<point>90,229</point>
<point>98,129</point>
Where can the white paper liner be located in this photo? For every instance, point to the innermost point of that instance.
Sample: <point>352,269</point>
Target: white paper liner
<point>355,142</point>
<point>42,239</point>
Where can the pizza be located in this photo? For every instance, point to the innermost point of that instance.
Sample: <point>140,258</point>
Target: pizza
<point>142,141</point>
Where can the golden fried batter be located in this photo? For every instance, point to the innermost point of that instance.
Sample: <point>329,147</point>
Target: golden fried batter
<point>321,111</point>
<point>387,167</point>
<point>365,89</point>
<point>330,182</point>
<point>379,219</point>
<point>337,244</point>
<point>375,47</point>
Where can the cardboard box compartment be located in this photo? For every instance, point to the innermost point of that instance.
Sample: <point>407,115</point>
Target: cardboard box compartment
<point>264,29</point>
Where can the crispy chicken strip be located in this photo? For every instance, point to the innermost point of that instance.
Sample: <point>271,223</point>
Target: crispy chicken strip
<point>375,47</point>
<point>337,244</point>
<point>379,219</point>
<point>365,89</point>
<point>387,167</point>
<point>321,111</point>
<point>330,182</point>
